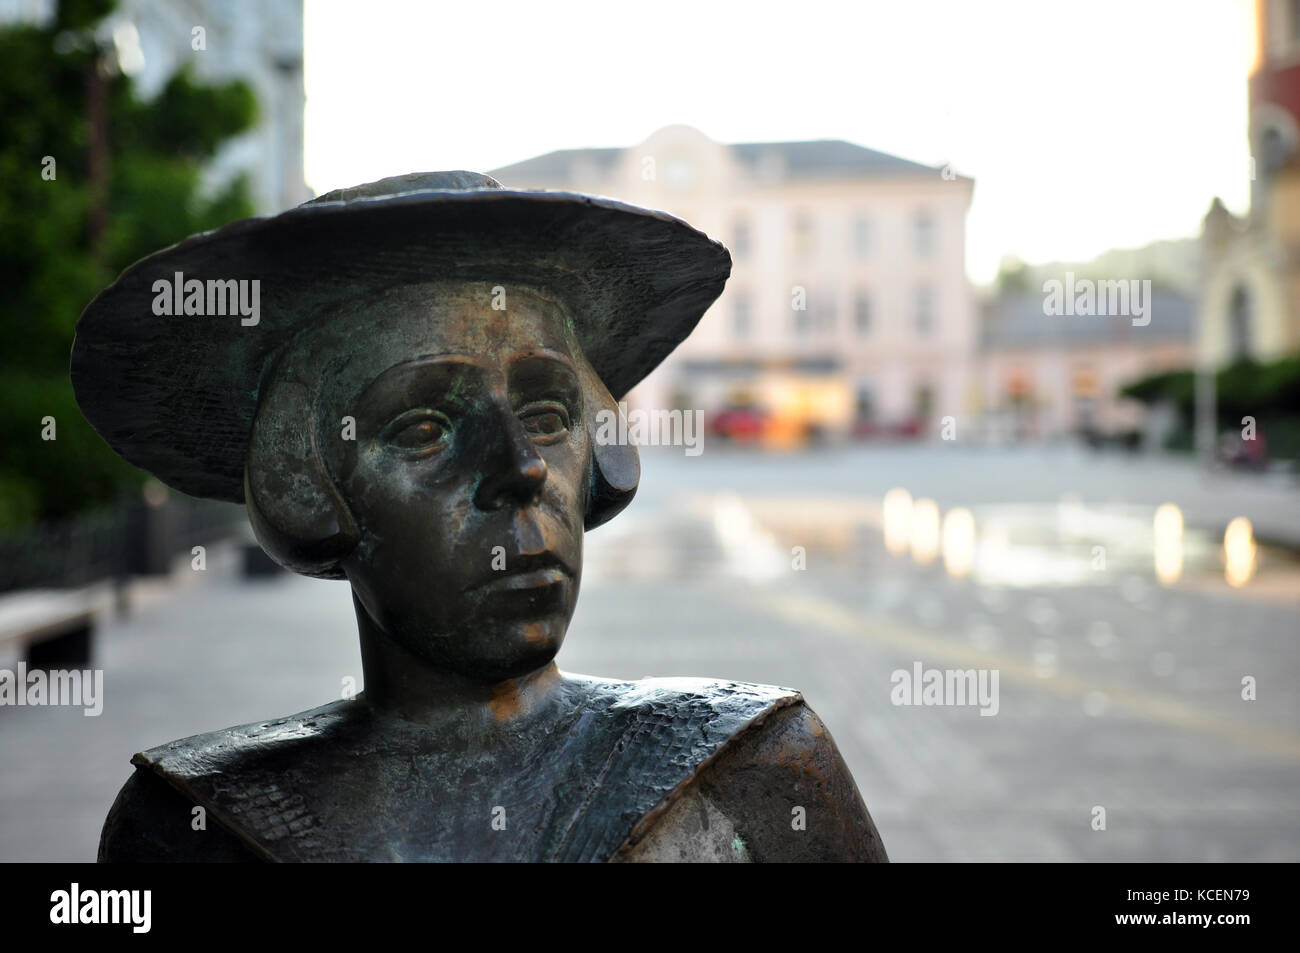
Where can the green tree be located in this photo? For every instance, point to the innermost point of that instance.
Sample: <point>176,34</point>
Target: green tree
<point>1014,276</point>
<point>1268,391</point>
<point>93,179</point>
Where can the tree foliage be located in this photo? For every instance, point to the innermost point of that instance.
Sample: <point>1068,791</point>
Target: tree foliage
<point>1268,392</point>
<point>63,239</point>
<point>1243,388</point>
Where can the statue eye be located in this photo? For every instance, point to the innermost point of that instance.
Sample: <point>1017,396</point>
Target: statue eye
<point>546,419</point>
<point>419,432</point>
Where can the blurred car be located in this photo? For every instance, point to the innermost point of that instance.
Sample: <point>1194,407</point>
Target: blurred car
<point>739,424</point>
<point>1244,454</point>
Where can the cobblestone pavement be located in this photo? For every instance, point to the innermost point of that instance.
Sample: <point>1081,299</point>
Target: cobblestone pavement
<point>1115,691</point>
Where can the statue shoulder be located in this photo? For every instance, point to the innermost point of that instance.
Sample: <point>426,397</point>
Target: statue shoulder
<point>669,729</point>
<point>242,747</point>
<point>780,791</point>
<point>718,701</point>
<point>184,801</point>
<point>153,822</point>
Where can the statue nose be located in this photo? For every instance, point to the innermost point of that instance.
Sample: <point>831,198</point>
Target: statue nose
<point>515,476</point>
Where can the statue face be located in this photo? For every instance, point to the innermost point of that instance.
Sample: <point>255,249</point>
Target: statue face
<point>467,476</point>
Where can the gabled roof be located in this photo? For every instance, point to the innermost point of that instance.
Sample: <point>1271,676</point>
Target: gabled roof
<point>556,165</point>
<point>825,158</point>
<point>813,159</point>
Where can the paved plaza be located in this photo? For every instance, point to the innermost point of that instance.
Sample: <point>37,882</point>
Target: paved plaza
<point>1115,691</point>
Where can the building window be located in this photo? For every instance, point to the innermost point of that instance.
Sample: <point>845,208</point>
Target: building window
<point>923,402</point>
<point>741,316</point>
<point>740,238</point>
<point>1084,381</point>
<point>923,309</point>
<point>679,172</point>
<point>862,312</point>
<point>826,312</point>
<point>803,316</point>
<point>1239,330</point>
<point>923,234</point>
<point>861,236</point>
<point>818,316</point>
<point>865,406</point>
<point>1018,386</point>
<point>802,236</point>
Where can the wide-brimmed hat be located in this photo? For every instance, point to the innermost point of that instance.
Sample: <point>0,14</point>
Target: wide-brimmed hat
<point>175,394</point>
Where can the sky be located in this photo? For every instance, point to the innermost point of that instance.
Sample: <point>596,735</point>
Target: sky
<point>1086,126</point>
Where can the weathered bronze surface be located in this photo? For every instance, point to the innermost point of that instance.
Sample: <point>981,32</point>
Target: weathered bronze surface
<point>427,431</point>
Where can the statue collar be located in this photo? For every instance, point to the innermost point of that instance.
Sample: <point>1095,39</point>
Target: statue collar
<point>328,785</point>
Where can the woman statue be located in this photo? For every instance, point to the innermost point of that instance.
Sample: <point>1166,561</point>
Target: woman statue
<point>401,381</point>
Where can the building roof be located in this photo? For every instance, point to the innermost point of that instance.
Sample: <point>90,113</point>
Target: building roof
<point>556,165</point>
<point>825,158</point>
<point>813,159</point>
<point>1014,321</point>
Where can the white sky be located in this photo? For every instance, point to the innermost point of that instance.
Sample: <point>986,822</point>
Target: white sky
<point>1087,126</point>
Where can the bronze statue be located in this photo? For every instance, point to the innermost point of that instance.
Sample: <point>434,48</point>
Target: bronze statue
<point>401,382</point>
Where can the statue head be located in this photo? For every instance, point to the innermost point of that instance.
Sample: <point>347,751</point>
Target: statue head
<point>435,446</point>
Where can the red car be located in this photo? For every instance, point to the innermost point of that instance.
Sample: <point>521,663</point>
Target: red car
<point>739,424</point>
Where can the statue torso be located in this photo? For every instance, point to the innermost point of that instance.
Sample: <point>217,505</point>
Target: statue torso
<point>344,783</point>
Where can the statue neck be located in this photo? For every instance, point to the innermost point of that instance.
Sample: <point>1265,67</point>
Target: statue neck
<point>401,683</point>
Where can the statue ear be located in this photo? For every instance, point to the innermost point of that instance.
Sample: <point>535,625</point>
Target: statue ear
<point>616,467</point>
<point>297,512</point>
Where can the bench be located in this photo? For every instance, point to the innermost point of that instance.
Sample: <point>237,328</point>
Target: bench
<point>52,628</point>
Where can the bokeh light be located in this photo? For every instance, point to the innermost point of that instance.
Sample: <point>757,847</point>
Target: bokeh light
<point>958,542</point>
<point>897,519</point>
<point>1167,542</point>
<point>925,531</point>
<point>1239,552</point>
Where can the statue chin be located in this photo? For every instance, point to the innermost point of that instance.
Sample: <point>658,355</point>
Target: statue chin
<point>485,648</point>
<point>503,651</point>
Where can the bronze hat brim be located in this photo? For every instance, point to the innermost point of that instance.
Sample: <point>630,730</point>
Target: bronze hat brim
<point>176,395</point>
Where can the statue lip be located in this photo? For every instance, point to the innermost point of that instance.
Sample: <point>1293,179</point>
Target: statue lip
<point>535,579</point>
<point>526,572</point>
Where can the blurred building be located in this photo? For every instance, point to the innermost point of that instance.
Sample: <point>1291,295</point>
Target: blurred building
<point>848,304</point>
<point>1251,295</point>
<point>258,41</point>
<point>1047,377</point>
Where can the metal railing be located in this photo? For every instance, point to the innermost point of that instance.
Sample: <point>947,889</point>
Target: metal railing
<point>134,538</point>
